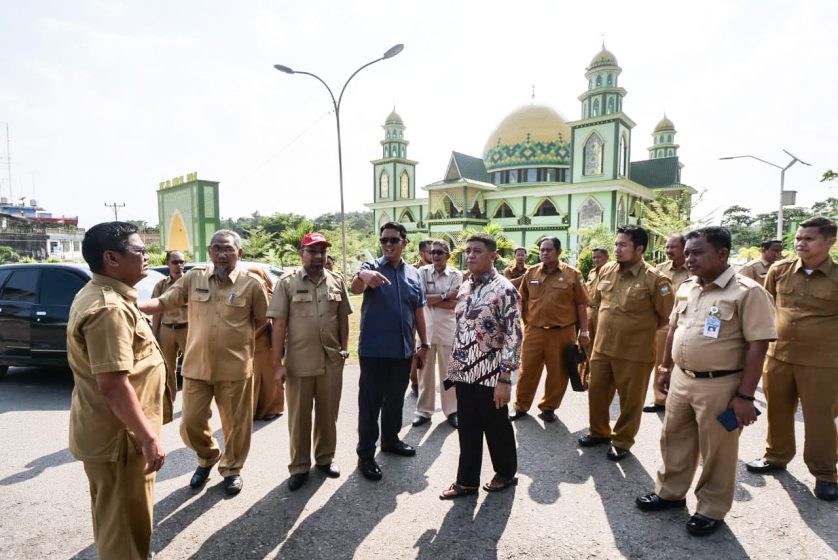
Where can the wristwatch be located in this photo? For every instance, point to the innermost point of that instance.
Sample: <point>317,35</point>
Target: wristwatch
<point>424,345</point>
<point>444,295</point>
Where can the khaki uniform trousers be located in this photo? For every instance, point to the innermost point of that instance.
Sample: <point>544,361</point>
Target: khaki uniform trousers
<point>122,501</point>
<point>322,393</point>
<point>171,341</point>
<point>592,321</point>
<point>691,429</point>
<point>268,395</point>
<point>660,346</point>
<point>540,348</point>
<point>436,369</point>
<point>817,390</point>
<point>631,380</point>
<point>235,406</point>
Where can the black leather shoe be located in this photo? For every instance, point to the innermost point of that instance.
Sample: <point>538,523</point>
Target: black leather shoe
<point>701,526</point>
<point>200,477</point>
<point>653,502</point>
<point>761,466</point>
<point>589,441</point>
<point>617,453</point>
<point>370,469</point>
<point>332,470</point>
<point>233,484</point>
<point>826,490</point>
<point>418,420</point>
<point>548,416</point>
<point>297,480</point>
<point>654,407</point>
<point>517,414</point>
<point>454,420</point>
<point>400,448</point>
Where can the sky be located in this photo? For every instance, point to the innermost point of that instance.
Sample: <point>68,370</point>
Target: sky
<point>104,99</point>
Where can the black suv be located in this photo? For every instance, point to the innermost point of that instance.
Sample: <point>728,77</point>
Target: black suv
<point>34,309</point>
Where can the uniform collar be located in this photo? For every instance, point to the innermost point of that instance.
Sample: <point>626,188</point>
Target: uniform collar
<point>722,280</point>
<point>304,274</point>
<point>121,288</point>
<point>635,268</point>
<point>445,271</point>
<point>233,276</point>
<point>559,268</point>
<point>385,261</point>
<point>825,267</point>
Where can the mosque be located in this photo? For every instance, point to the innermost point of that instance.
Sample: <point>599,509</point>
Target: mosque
<point>539,176</point>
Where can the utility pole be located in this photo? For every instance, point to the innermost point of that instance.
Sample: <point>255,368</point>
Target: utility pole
<point>9,161</point>
<point>115,207</point>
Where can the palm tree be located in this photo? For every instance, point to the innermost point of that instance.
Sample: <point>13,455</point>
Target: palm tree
<point>289,242</point>
<point>505,246</point>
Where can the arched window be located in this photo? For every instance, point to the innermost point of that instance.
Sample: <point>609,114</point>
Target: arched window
<point>547,208</point>
<point>383,219</point>
<point>599,80</point>
<point>592,155</point>
<point>386,151</point>
<point>590,214</point>
<point>670,152</point>
<point>585,110</point>
<point>504,211</point>
<point>406,217</point>
<point>404,187</point>
<point>595,108</point>
<point>384,185</point>
<point>610,80</point>
<point>624,156</point>
<point>610,105</point>
<point>448,207</point>
<point>622,217</point>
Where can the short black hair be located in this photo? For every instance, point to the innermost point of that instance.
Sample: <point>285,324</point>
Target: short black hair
<point>442,243</point>
<point>638,235</point>
<point>396,226</point>
<point>425,243</point>
<point>557,245</point>
<point>716,236</point>
<point>602,250</point>
<point>169,254</point>
<point>107,236</point>
<point>826,227</point>
<point>485,239</point>
<point>765,245</point>
<point>524,249</point>
<point>681,239</point>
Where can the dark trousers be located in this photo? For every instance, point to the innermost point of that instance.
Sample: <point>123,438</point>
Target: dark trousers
<point>381,391</point>
<point>478,416</point>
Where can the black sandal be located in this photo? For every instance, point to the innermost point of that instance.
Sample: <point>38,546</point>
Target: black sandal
<point>499,483</point>
<point>456,491</point>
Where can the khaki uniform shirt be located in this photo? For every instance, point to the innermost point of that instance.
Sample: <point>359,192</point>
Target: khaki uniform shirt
<point>513,271</point>
<point>550,300</point>
<point>631,303</point>
<point>807,313</point>
<point>676,275</point>
<point>746,313</point>
<point>222,319</point>
<point>175,316</point>
<point>440,323</point>
<point>593,278</point>
<point>106,333</point>
<point>755,270</point>
<point>312,339</point>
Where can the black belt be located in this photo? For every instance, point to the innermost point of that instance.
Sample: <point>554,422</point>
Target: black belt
<point>709,374</point>
<point>554,327</point>
<point>594,306</point>
<point>176,326</point>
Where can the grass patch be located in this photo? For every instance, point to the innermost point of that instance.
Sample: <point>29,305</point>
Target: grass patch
<point>354,327</point>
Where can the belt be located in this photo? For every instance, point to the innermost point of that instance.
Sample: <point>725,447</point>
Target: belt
<point>709,374</point>
<point>176,326</point>
<point>594,306</point>
<point>553,327</point>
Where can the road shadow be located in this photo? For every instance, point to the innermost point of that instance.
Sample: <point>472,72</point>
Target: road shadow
<point>38,466</point>
<point>36,388</point>
<point>818,514</point>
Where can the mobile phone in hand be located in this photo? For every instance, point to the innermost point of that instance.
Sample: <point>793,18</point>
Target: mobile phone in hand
<point>729,421</point>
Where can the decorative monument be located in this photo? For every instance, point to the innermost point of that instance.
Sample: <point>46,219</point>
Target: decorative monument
<point>189,214</point>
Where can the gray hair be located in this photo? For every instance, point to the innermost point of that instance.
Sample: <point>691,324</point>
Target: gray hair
<point>237,240</point>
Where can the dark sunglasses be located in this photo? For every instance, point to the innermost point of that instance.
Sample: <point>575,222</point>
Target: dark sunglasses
<point>390,240</point>
<point>437,252</point>
<point>177,262</point>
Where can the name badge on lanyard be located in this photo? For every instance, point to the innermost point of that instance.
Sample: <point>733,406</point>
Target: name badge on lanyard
<point>713,323</point>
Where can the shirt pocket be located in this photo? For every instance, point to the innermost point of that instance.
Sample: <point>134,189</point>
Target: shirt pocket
<point>637,298</point>
<point>302,305</point>
<point>825,299</point>
<point>786,296</point>
<point>607,295</point>
<point>236,310</point>
<point>143,345</point>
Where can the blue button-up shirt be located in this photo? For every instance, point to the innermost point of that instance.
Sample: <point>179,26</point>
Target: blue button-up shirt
<point>388,313</point>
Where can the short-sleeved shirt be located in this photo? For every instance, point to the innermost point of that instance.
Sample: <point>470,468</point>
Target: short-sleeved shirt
<point>590,285</point>
<point>222,320</point>
<point>313,311</point>
<point>107,333</point>
<point>745,312</point>
<point>807,313</point>
<point>631,304</point>
<point>514,271</point>
<point>676,275</point>
<point>440,322</point>
<point>756,270</point>
<point>174,316</point>
<point>550,299</point>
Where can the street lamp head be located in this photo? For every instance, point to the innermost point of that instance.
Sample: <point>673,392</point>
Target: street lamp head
<point>393,51</point>
<point>282,68</point>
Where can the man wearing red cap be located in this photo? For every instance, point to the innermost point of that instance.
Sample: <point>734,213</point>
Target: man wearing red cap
<point>310,308</point>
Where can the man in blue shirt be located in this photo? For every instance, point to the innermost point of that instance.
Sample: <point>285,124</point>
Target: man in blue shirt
<point>393,306</point>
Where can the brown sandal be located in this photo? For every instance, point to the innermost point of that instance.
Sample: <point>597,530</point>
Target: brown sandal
<point>457,491</point>
<point>499,483</point>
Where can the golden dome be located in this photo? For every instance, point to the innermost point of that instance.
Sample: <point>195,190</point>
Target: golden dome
<point>533,135</point>
<point>664,125</point>
<point>603,58</point>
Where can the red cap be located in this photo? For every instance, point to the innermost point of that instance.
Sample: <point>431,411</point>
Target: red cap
<point>314,238</point>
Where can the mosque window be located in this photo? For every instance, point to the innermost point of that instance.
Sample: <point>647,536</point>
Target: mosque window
<point>384,185</point>
<point>386,151</point>
<point>592,155</point>
<point>610,80</point>
<point>623,165</point>
<point>546,209</point>
<point>590,214</point>
<point>670,152</point>
<point>497,177</point>
<point>402,151</point>
<point>405,185</point>
<point>595,108</point>
<point>591,83</point>
<point>513,176</point>
<point>530,175</point>
<point>562,175</point>
<point>622,216</point>
<point>504,211</point>
<point>599,80</point>
<point>406,217</point>
<point>585,110</point>
<point>669,138</point>
<point>549,175</point>
<point>610,106</point>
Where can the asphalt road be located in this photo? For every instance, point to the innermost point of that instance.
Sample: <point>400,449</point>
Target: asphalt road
<point>570,503</point>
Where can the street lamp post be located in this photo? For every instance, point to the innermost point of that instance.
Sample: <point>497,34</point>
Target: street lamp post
<point>393,51</point>
<point>794,159</point>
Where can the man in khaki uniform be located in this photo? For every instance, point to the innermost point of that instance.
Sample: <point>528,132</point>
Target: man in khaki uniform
<point>172,335</point>
<point>769,252</point>
<point>599,256</point>
<point>803,363</point>
<point>425,259</point>
<point>117,404</point>
<point>311,308</point>
<point>719,332</point>
<point>515,271</point>
<point>553,300</point>
<point>676,270</point>
<point>634,300</point>
<point>226,307</point>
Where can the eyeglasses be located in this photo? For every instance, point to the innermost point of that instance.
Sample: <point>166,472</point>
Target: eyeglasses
<point>137,250</point>
<point>437,252</point>
<point>316,250</point>
<point>390,240</point>
<point>177,262</point>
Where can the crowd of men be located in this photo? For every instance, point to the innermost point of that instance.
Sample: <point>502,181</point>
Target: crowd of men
<point>702,332</point>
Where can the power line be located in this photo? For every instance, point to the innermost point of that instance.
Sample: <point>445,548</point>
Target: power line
<point>115,207</point>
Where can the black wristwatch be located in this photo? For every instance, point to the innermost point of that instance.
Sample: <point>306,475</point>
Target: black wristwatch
<point>424,345</point>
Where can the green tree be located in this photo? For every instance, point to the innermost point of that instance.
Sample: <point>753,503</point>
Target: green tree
<point>258,243</point>
<point>666,215</point>
<point>8,255</point>
<point>505,246</point>
<point>289,242</point>
<point>740,222</point>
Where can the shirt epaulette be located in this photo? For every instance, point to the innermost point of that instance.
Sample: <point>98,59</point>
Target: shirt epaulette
<point>747,282</point>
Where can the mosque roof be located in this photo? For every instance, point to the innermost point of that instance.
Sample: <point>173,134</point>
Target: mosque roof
<point>655,173</point>
<point>532,135</point>
<point>394,118</point>
<point>664,124</point>
<point>603,58</point>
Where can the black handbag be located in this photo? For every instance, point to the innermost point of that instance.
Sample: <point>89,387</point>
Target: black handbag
<point>575,360</point>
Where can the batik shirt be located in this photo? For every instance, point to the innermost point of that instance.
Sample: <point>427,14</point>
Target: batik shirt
<point>488,336</point>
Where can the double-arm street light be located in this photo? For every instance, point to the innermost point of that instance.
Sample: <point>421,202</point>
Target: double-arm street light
<point>393,51</point>
<point>794,159</point>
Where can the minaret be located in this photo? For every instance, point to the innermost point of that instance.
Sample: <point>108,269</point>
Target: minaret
<point>394,174</point>
<point>604,95</point>
<point>394,144</point>
<point>663,140</point>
